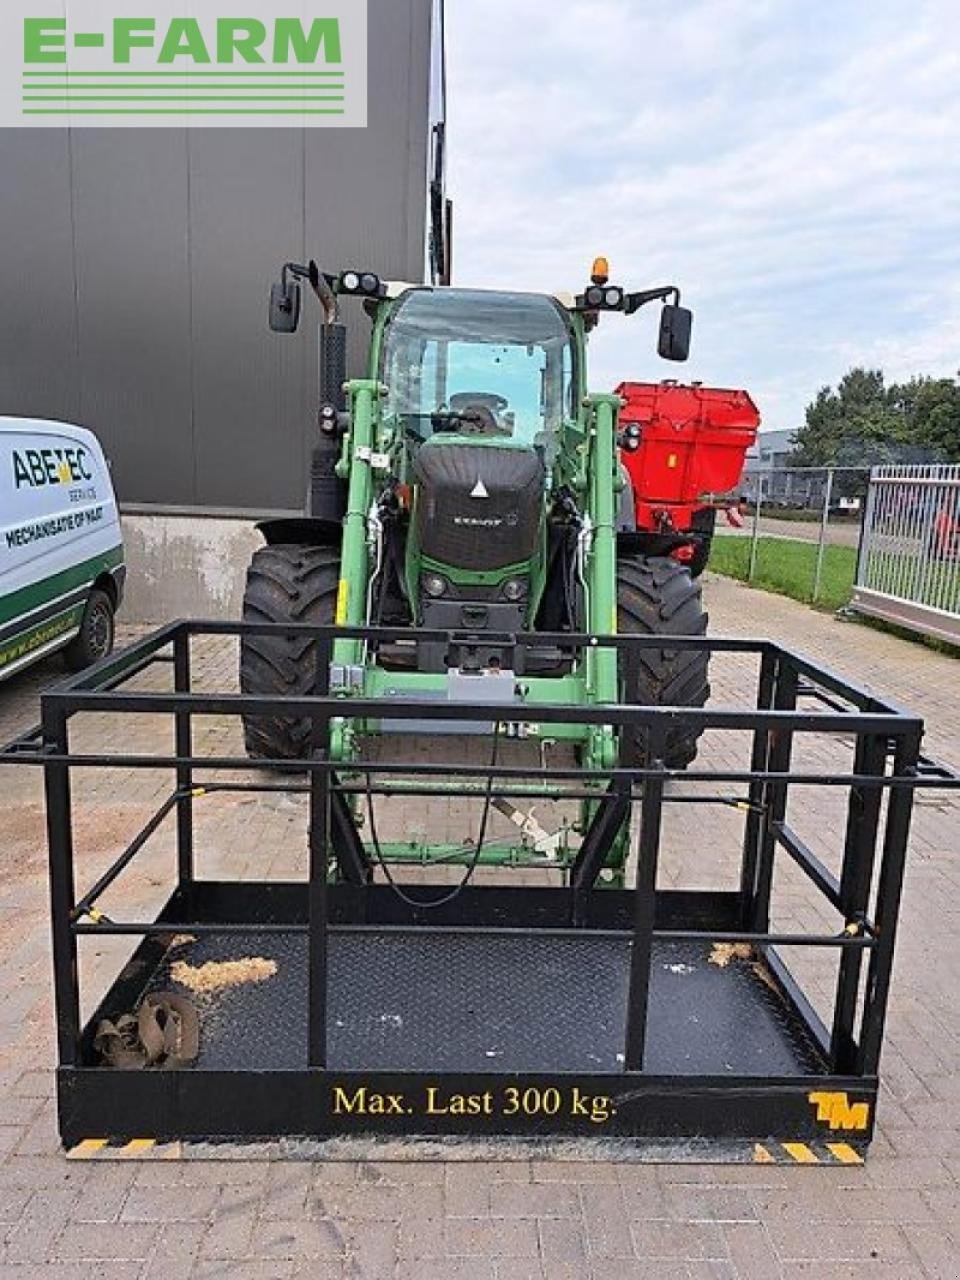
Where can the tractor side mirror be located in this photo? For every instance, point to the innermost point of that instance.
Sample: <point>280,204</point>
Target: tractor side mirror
<point>675,325</point>
<point>285,307</point>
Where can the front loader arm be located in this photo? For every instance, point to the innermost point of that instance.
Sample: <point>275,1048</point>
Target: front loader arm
<point>359,458</point>
<point>601,569</point>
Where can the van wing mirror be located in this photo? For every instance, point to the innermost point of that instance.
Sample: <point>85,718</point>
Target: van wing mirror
<point>675,325</point>
<point>285,306</point>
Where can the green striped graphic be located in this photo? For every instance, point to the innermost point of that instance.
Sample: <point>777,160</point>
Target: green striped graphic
<point>180,75</point>
<point>38,637</point>
<point>37,594</point>
<point>183,82</point>
<point>188,93</point>
<point>182,111</point>
<point>146,97</point>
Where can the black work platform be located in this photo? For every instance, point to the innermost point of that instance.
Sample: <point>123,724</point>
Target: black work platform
<point>570,1010</point>
<point>528,1022</point>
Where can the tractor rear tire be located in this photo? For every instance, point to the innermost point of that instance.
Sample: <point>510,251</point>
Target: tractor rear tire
<point>285,583</point>
<point>657,596</point>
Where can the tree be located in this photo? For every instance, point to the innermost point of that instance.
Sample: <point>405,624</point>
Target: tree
<point>931,409</point>
<point>856,425</point>
<point>865,423</point>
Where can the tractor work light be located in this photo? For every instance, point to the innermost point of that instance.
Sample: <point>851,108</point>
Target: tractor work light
<point>365,283</point>
<point>434,585</point>
<point>514,589</point>
<point>602,298</point>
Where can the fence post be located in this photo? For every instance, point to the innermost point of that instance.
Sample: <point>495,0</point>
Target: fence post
<point>928,534</point>
<point>754,543</point>
<point>824,525</point>
<point>866,529</point>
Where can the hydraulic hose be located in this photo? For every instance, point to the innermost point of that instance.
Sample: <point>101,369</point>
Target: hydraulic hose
<point>420,904</point>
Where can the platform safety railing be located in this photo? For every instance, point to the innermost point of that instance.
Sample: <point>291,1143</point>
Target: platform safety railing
<point>888,762</point>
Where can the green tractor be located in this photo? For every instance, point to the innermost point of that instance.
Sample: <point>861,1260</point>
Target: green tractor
<point>471,485</point>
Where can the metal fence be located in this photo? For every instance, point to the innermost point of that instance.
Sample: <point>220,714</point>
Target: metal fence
<point>818,507</point>
<point>908,569</point>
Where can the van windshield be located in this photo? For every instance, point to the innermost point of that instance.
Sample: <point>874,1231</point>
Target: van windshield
<point>479,363</point>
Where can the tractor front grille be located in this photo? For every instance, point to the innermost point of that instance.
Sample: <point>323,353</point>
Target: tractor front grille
<point>479,507</point>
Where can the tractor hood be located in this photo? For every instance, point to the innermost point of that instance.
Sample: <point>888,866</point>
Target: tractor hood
<point>479,506</point>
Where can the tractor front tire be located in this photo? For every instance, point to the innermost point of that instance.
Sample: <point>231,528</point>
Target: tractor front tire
<point>285,583</point>
<point>657,596</point>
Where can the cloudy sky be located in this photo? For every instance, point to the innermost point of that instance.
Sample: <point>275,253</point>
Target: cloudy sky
<point>794,165</point>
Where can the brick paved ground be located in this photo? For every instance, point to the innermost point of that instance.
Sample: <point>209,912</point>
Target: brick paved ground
<point>897,1217</point>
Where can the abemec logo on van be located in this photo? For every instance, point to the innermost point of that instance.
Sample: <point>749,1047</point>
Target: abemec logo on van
<point>37,468</point>
<point>149,63</point>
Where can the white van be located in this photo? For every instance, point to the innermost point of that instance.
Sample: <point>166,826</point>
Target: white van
<point>61,550</point>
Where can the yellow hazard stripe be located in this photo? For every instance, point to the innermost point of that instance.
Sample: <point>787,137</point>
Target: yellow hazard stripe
<point>800,1153</point>
<point>805,1153</point>
<point>843,1152</point>
<point>137,1147</point>
<point>88,1147</point>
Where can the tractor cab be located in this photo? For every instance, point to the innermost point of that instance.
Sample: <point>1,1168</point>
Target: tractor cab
<point>479,366</point>
<point>478,387</point>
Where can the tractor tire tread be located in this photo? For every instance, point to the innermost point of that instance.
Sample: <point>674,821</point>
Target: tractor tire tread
<point>285,583</point>
<point>657,596</point>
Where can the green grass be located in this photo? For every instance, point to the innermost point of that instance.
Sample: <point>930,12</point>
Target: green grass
<point>788,568</point>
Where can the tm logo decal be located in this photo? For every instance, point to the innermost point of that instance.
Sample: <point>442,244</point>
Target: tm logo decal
<point>836,1110</point>
<point>141,64</point>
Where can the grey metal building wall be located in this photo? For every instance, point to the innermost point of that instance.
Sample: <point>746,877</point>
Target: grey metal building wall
<point>135,268</point>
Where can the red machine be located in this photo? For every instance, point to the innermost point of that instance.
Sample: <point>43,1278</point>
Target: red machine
<point>684,449</point>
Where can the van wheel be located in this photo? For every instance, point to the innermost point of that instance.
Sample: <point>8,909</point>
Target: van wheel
<point>95,638</point>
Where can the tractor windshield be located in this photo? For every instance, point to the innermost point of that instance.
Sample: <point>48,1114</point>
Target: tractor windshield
<point>477,363</point>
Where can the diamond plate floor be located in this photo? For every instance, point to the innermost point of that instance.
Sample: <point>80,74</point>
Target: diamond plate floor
<point>494,1003</point>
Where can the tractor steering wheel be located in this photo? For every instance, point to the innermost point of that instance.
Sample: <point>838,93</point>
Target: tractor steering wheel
<point>479,412</point>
